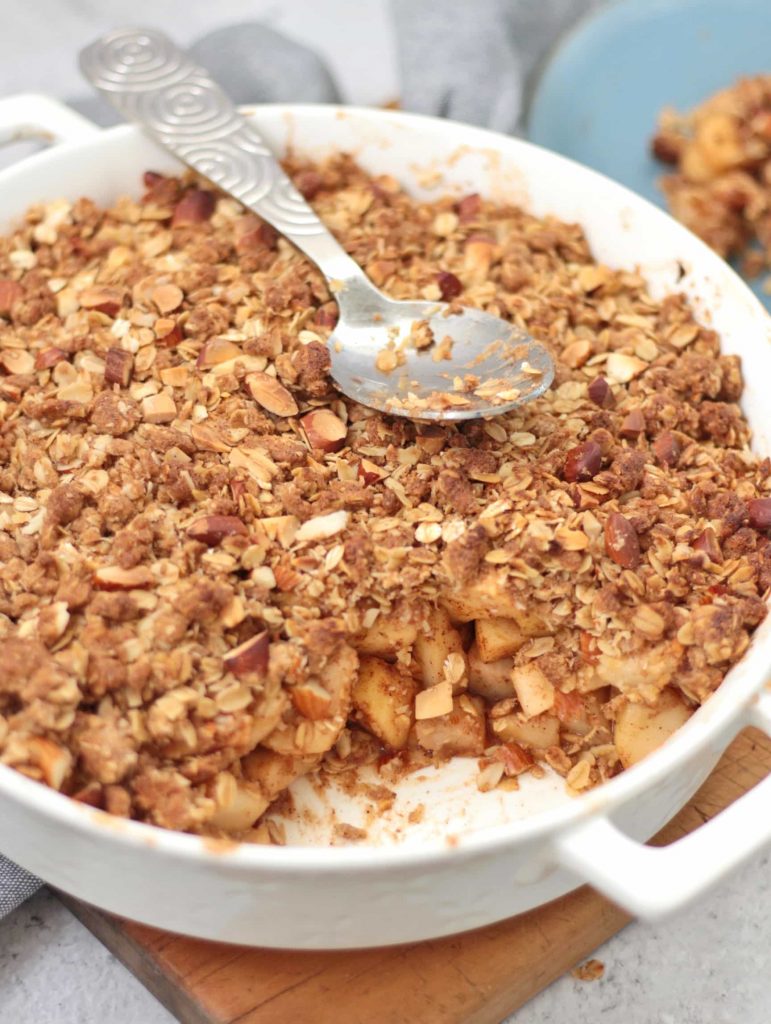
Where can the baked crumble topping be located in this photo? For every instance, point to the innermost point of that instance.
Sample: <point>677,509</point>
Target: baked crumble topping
<point>720,185</point>
<point>218,573</point>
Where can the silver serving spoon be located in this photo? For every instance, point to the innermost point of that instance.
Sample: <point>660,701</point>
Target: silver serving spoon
<point>486,367</point>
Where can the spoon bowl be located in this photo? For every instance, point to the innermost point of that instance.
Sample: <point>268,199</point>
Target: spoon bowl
<point>421,360</point>
<point>473,364</point>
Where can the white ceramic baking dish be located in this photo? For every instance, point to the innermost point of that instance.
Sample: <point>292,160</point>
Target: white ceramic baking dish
<point>475,858</point>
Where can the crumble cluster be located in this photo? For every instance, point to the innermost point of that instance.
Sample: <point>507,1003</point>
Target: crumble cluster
<point>720,184</point>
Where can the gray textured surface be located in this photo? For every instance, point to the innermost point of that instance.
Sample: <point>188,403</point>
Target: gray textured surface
<point>707,966</point>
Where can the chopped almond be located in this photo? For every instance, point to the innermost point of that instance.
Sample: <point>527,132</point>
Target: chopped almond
<point>158,408</point>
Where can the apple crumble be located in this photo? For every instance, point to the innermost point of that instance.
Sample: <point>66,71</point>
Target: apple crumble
<point>720,186</point>
<point>217,573</point>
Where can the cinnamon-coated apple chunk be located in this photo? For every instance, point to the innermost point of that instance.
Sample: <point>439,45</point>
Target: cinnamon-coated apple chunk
<point>383,701</point>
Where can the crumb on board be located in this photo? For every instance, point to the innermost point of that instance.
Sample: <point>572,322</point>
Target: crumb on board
<point>592,970</point>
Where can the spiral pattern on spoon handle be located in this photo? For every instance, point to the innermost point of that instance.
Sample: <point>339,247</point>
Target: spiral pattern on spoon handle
<point>153,83</point>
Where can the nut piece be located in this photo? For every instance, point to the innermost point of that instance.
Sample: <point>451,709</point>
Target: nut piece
<point>49,357</point>
<point>195,206</point>
<point>667,449</point>
<point>621,541</point>
<point>118,367</point>
<point>591,277</point>
<point>312,701</point>
<point>17,360</point>
<point>622,368</point>
<point>576,355</point>
<point>271,394</point>
<point>449,285</point>
<point>759,512</point>
<point>321,527</point>
<point>515,759</point>
<point>633,425</point>
<point>249,657</point>
<point>10,292</point>
<point>582,462</point>
<point>369,473</point>
<point>211,529</point>
<point>167,297</point>
<point>477,257</point>
<point>600,393</point>
<point>53,761</point>
<point>431,439</point>
<point>158,408</point>
<point>167,332</point>
<point>324,431</point>
<point>102,298</point>
<point>708,543</point>
<point>216,351</point>
<point>468,207</point>
<point>433,702</point>
<point>113,577</point>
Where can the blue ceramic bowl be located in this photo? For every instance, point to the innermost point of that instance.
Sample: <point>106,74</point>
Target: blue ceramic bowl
<point>599,95</point>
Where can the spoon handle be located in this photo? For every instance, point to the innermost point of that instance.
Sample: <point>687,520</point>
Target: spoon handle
<point>156,85</point>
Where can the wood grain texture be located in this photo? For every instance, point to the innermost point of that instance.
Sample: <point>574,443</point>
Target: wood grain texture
<point>479,977</point>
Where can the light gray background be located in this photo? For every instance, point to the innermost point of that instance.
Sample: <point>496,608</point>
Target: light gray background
<point>710,965</point>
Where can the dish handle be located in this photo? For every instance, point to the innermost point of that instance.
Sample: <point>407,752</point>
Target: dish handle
<point>651,882</point>
<point>32,116</point>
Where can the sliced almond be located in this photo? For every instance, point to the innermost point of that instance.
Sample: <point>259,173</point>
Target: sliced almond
<point>324,431</point>
<point>577,354</point>
<point>312,701</point>
<point>113,577</point>
<point>167,297</point>
<point>158,408</point>
<point>215,351</point>
<point>207,439</point>
<point>17,360</point>
<point>591,278</point>
<point>103,298</point>
<point>622,368</point>
<point>369,473</point>
<point>249,657</point>
<point>281,528</point>
<point>433,702</point>
<point>255,462</point>
<point>271,394</point>
<point>321,527</point>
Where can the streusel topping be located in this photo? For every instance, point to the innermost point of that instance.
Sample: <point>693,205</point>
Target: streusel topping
<point>720,183</point>
<point>217,571</point>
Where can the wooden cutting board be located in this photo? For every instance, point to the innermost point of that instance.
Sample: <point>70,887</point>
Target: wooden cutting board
<point>479,977</point>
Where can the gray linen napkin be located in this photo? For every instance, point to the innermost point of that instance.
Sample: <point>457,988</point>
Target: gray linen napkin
<point>470,60</point>
<point>16,885</point>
